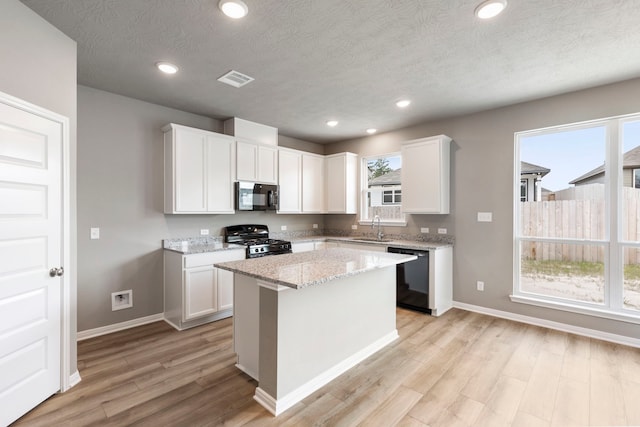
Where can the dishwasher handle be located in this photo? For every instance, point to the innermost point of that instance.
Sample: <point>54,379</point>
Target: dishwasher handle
<point>403,251</point>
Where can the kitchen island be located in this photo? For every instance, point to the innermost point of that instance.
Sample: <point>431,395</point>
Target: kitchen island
<point>302,319</point>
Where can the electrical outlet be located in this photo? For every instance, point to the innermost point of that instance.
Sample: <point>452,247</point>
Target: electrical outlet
<point>480,285</point>
<point>283,228</point>
<point>315,225</point>
<point>121,300</point>
<point>485,216</point>
<point>442,231</point>
<point>95,233</point>
<point>204,232</point>
<point>354,227</point>
<point>424,229</point>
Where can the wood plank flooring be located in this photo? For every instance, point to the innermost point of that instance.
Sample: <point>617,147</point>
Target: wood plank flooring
<point>461,369</point>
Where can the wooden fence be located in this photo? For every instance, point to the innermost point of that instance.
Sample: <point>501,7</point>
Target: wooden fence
<point>577,219</point>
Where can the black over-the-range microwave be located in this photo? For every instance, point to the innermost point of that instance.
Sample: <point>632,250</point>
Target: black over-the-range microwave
<point>251,196</point>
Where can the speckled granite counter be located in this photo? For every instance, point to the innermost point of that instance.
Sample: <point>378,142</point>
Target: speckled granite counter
<point>300,270</point>
<point>198,245</point>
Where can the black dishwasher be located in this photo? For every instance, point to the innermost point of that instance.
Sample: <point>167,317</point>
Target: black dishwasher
<point>412,280</point>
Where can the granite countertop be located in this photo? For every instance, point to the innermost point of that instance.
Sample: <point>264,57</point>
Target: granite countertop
<point>198,245</point>
<point>299,270</point>
<point>396,243</point>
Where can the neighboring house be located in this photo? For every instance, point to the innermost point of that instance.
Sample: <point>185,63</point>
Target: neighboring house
<point>630,171</point>
<point>530,177</point>
<point>387,195</point>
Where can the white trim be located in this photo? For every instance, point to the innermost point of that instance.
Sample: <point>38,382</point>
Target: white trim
<point>272,286</point>
<point>103,330</point>
<point>387,223</point>
<point>65,297</point>
<point>74,379</point>
<point>278,406</point>
<point>575,308</point>
<point>577,330</point>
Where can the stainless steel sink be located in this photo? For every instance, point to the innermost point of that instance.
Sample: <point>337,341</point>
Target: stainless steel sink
<point>372,240</point>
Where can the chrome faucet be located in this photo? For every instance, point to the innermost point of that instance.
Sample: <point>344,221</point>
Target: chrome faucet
<point>373,224</point>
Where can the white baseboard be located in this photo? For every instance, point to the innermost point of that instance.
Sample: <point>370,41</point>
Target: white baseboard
<point>278,406</point>
<point>103,330</point>
<point>577,330</point>
<point>74,379</point>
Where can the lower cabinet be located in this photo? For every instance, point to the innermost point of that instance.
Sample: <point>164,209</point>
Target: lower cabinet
<point>195,292</point>
<point>362,246</point>
<point>307,246</point>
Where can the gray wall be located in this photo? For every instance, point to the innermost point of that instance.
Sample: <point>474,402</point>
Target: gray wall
<point>120,190</point>
<point>482,180</point>
<point>39,66</point>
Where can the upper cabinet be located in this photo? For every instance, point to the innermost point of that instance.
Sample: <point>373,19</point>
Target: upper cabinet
<point>198,171</point>
<point>290,179</point>
<point>256,162</point>
<point>257,150</point>
<point>342,183</point>
<point>313,183</point>
<point>425,175</point>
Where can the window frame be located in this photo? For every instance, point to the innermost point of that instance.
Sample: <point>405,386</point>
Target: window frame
<point>365,192</point>
<point>613,305</point>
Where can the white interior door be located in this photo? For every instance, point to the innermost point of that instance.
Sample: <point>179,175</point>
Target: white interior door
<point>30,248</point>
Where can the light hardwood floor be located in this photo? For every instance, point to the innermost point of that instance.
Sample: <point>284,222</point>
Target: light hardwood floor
<point>461,369</point>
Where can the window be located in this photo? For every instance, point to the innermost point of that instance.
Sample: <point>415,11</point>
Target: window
<point>391,197</point>
<point>579,248</point>
<point>382,189</point>
<point>523,190</point>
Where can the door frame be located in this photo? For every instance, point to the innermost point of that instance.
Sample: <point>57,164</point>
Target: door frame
<point>67,378</point>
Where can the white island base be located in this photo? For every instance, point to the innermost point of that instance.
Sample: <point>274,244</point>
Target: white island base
<point>294,341</point>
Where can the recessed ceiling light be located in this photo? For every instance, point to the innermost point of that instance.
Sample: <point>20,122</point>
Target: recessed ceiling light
<point>167,67</point>
<point>235,9</point>
<point>490,8</point>
<point>403,103</point>
<point>371,131</point>
<point>332,123</point>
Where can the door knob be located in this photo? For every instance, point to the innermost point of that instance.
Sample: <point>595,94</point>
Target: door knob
<point>56,272</point>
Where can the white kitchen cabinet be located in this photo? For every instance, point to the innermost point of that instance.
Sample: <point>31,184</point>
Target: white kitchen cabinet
<point>426,175</point>
<point>307,246</point>
<point>342,183</point>
<point>362,246</point>
<point>313,183</point>
<point>195,292</point>
<point>251,131</point>
<point>198,171</point>
<point>256,162</point>
<point>290,180</point>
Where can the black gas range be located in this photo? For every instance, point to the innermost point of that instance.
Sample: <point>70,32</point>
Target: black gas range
<point>256,238</point>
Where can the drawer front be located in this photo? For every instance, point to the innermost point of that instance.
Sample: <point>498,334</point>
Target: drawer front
<point>210,258</point>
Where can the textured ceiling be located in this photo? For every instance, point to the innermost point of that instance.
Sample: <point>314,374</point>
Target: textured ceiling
<point>315,60</point>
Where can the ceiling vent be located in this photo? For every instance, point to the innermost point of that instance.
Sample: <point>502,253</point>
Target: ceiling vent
<point>235,79</point>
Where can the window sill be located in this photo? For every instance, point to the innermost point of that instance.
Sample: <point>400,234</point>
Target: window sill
<point>384,223</point>
<point>574,308</point>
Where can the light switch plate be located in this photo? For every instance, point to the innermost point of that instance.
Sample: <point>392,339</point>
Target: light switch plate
<point>442,231</point>
<point>424,229</point>
<point>315,225</point>
<point>485,216</point>
<point>354,227</point>
<point>95,233</point>
<point>204,232</point>
<point>283,228</point>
